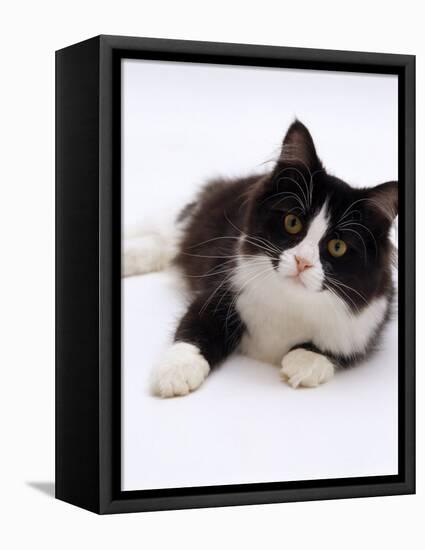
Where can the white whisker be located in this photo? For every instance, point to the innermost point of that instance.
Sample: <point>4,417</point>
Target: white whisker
<point>349,208</point>
<point>349,224</point>
<point>339,283</point>
<point>299,187</point>
<point>360,237</point>
<point>287,195</point>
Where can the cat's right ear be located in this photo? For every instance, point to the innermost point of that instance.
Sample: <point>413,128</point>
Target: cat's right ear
<point>298,147</point>
<point>383,199</point>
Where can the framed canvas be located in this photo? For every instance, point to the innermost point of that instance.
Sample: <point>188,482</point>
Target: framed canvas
<point>235,243</point>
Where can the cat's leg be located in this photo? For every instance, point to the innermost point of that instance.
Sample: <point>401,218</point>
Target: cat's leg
<point>306,366</point>
<point>150,246</point>
<point>206,335</point>
<point>147,253</point>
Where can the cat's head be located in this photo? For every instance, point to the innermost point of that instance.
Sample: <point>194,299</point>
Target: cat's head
<point>320,233</point>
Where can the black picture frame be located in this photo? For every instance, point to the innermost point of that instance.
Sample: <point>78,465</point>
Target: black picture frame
<point>88,249</point>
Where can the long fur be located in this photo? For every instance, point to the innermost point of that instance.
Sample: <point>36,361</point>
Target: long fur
<point>241,267</point>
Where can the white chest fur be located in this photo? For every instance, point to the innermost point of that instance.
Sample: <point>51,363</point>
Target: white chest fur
<point>280,314</point>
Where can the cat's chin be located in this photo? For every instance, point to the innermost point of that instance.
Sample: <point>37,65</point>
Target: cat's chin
<point>297,283</point>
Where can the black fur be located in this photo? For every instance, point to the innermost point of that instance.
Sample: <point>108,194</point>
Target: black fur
<point>213,325</point>
<point>256,205</point>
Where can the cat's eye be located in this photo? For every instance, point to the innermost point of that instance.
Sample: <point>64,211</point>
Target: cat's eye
<point>337,248</point>
<point>293,224</point>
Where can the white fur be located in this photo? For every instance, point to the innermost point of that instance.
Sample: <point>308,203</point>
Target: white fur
<point>145,254</point>
<point>181,370</point>
<point>308,249</point>
<point>280,314</point>
<point>301,367</point>
<point>148,249</point>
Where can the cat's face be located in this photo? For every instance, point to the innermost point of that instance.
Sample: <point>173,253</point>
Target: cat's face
<point>320,233</point>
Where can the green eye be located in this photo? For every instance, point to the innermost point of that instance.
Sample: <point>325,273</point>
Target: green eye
<point>337,248</point>
<point>293,224</point>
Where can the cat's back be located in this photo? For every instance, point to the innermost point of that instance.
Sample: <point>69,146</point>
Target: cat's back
<point>218,198</point>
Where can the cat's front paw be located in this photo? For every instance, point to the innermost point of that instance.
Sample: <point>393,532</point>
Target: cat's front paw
<point>181,370</point>
<point>301,367</point>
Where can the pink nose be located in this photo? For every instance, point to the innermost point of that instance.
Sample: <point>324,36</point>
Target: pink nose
<point>302,264</point>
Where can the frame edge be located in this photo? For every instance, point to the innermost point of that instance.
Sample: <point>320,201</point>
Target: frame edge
<point>77,280</point>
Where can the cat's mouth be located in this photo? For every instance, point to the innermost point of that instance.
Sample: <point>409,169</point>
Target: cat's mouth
<point>300,281</point>
<point>297,280</point>
<point>308,278</point>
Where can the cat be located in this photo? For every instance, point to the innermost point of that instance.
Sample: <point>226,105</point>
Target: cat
<point>292,268</point>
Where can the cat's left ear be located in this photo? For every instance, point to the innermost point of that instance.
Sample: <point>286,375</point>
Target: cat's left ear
<point>383,199</point>
<point>298,147</point>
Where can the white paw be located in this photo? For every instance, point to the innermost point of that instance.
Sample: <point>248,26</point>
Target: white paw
<point>301,367</point>
<point>144,255</point>
<point>181,370</point>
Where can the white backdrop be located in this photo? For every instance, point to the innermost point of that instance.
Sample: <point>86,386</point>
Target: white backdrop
<point>31,31</point>
<point>184,123</point>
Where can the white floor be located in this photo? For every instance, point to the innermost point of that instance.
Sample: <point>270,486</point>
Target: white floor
<point>244,425</point>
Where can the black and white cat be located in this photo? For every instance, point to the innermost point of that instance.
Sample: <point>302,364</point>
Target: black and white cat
<point>292,268</point>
